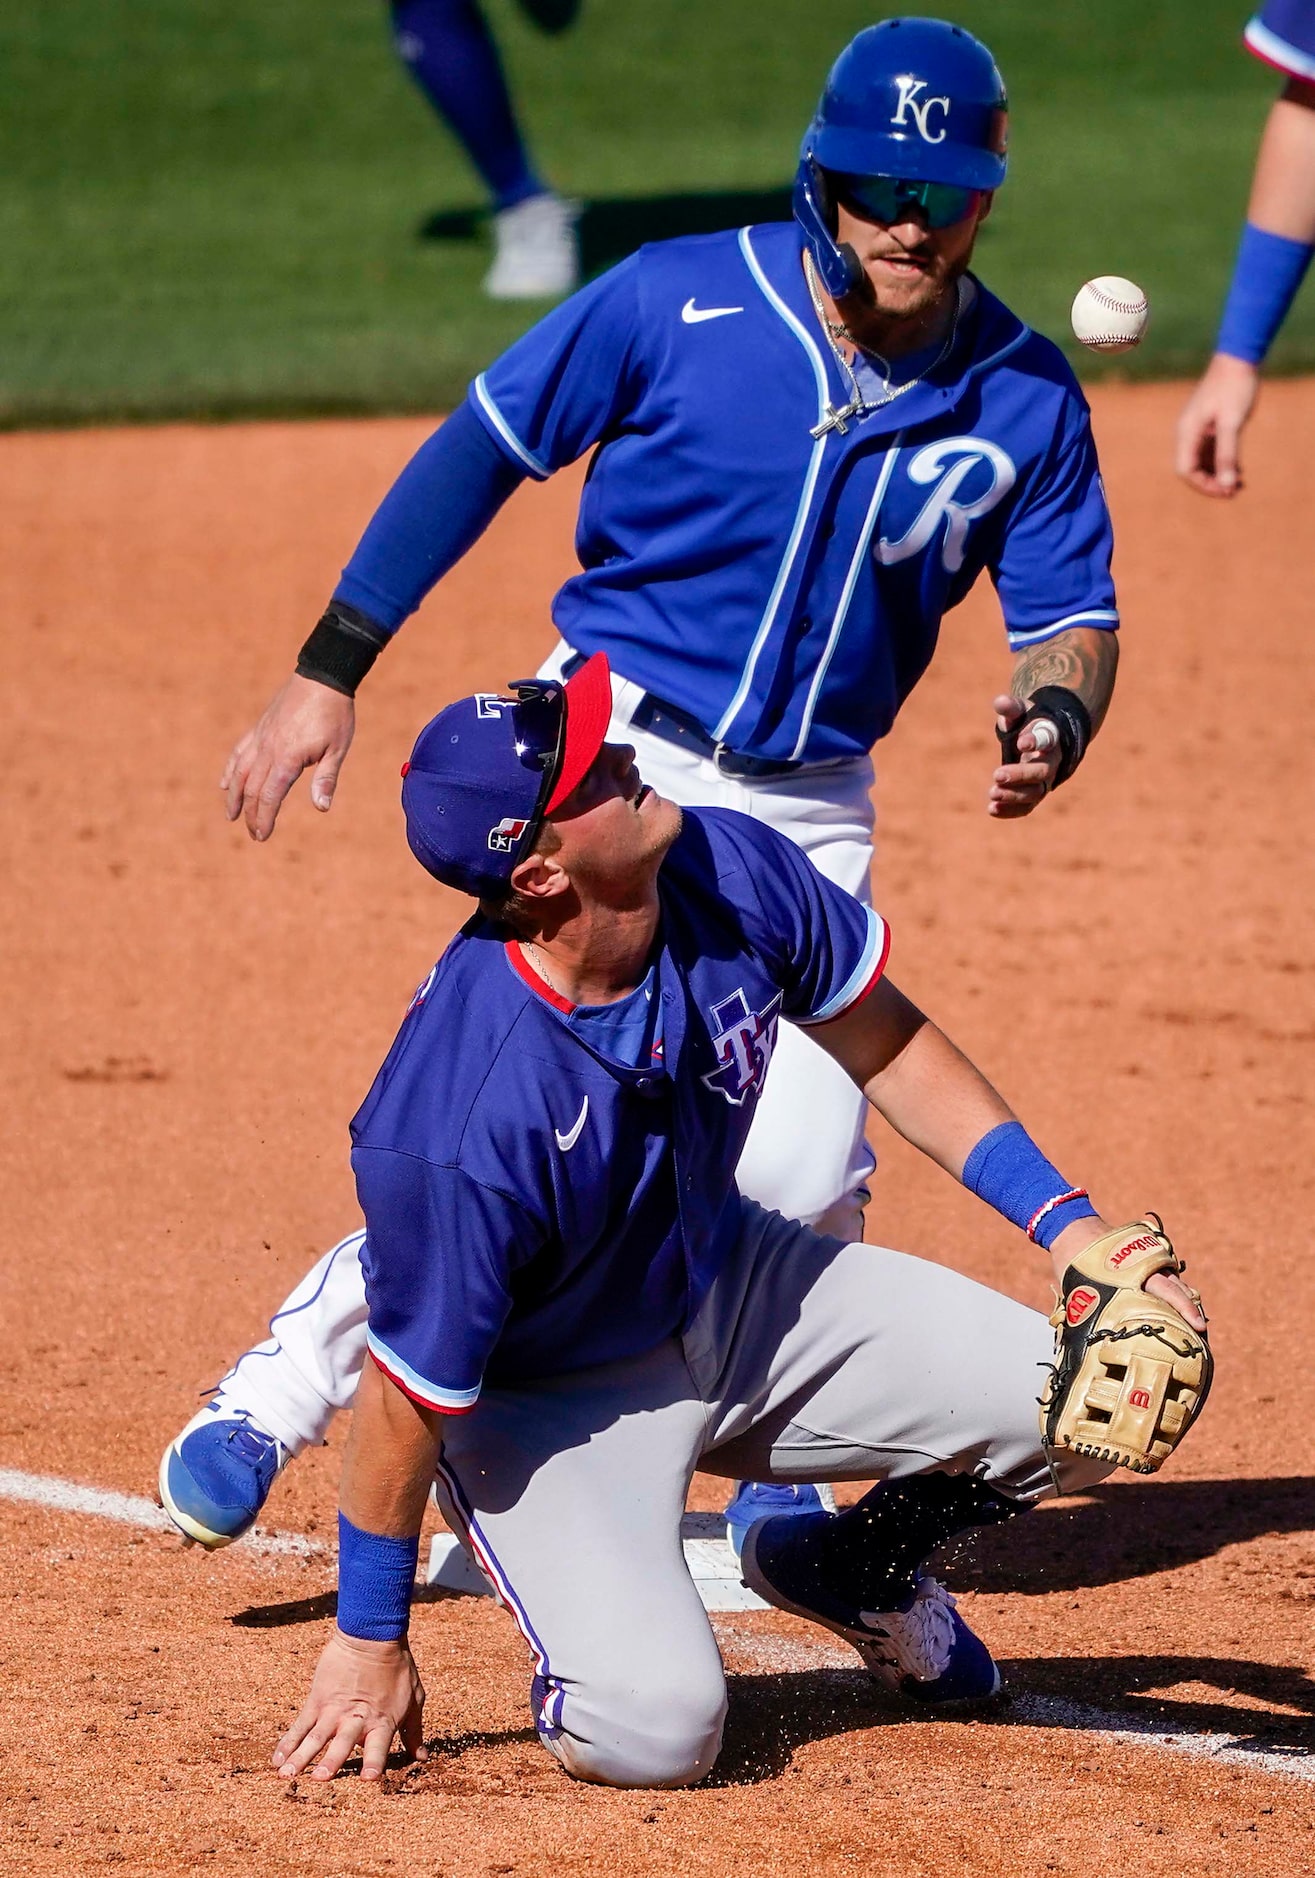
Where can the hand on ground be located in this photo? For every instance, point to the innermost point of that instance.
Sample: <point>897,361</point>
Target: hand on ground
<point>1016,788</point>
<point>362,1695</point>
<point>305,724</point>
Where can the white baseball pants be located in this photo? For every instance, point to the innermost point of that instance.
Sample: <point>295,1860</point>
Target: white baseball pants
<point>806,1156</point>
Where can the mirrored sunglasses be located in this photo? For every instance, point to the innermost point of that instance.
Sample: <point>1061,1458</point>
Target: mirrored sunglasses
<point>889,199</point>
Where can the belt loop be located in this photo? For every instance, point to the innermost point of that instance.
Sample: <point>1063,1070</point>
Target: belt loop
<point>626,699</point>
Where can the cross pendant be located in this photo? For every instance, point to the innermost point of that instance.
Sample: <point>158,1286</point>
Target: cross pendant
<point>835,418</point>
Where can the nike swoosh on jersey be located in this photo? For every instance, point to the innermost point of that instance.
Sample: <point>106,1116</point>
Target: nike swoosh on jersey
<point>695,315</point>
<point>568,1140</point>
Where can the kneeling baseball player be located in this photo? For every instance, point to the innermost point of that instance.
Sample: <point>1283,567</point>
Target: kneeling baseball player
<point>571,1306</point>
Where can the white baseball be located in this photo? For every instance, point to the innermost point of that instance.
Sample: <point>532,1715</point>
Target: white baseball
<point>1110,313</point>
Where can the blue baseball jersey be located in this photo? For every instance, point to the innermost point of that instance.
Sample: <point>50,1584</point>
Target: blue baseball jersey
<point>786,589</point>
<point>534,1205</point>
<point>1282,33</point>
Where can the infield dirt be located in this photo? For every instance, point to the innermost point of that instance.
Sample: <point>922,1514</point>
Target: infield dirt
<point>189,1021</point>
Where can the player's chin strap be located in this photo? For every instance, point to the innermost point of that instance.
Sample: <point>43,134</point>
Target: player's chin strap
<point>1072,720</point>
<point>838,267</point>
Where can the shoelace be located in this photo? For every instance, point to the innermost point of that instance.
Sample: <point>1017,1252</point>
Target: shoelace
<point>924,1634</point>
<point>252,1444</point>
<point>773,1493</point>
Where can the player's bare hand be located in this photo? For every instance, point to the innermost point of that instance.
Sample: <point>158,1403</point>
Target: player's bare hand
<point>1016,788</point>
<point>1167,1285</point>
<point>305,725</point>
<point>362,1695</point>
<point>1209,439</point>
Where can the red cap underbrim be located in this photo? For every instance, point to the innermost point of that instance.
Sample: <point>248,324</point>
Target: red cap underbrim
<point>587,700</point>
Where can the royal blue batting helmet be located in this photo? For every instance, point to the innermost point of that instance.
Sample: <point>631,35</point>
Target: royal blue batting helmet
<point>917,99</point>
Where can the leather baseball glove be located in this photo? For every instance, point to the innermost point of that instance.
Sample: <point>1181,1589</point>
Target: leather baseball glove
<point>1130,1376</point>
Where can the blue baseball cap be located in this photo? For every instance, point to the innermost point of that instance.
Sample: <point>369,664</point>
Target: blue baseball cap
<point>487,770</point>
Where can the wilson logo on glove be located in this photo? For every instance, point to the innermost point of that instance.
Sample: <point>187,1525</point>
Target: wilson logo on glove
<point>1081,1304</point>
<point>1130,1374</point>
<point>1123,1253</point>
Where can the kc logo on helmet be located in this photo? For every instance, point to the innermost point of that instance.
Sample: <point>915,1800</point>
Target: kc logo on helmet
<point>908,101</point>
<point>508,832</point>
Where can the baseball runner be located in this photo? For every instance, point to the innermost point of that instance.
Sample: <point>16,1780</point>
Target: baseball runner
<point>571,1307</point>
<point>808,441</point>
<point>1273,255</point>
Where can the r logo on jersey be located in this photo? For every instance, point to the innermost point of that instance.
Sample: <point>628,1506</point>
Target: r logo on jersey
<point>908,101</point>
<point>936,463</point>
<point>508,832</point>
<point>743,1040</point>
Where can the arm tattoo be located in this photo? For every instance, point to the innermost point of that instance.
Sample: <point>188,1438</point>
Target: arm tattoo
<point>1084,660</point>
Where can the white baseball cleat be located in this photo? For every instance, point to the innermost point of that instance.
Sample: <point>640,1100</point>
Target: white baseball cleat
<point>537,254</point>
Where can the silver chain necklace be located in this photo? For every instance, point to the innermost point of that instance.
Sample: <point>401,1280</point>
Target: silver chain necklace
<point>838,416</point>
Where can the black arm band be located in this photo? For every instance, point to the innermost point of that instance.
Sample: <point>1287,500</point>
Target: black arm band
<point>341,649</point>
<point>1069,715</point>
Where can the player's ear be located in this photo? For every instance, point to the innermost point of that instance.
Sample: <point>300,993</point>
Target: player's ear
<point>984,207</point>
<point>539,877</point>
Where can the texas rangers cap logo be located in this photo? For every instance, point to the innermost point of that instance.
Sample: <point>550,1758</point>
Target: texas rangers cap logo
<point>506,833</point>
<point>743,1041</point>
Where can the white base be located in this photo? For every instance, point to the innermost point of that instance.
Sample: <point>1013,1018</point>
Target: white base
<point>712,1565</point>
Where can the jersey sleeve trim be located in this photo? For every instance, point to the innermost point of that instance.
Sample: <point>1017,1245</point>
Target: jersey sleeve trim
<point>428,1394</point>
<point>862,980</point>
<point>1106,618</point>
<point>1272,50</point>
<point>484,398</point>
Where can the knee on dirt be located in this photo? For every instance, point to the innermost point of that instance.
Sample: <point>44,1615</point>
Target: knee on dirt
<point>659,1734</point>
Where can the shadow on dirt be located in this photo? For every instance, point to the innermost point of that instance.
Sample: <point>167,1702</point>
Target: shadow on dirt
<point>1127,1531</point>
<point>1178,1694</point>
<point>773,1715</point>
<point>610,228</point>
<point>1111,1534</point>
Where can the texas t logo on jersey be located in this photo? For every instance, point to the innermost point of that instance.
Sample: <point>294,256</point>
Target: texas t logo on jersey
<point>743,1041</point>
<point>503,838</point>
<point>489,704</point>
<point>908,101</point>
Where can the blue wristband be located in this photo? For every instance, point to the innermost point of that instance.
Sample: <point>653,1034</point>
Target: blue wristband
<point>1008,1170</point>
<point>1266,275</point>
<point>375,1577</point>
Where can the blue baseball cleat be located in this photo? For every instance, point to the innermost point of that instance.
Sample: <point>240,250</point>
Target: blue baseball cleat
<point>216,1475</point>
<point>764,1499</point>
<point>922,1651</point>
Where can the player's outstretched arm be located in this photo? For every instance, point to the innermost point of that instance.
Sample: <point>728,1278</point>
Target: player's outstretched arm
<point>1083,661</point>
<point>1275,250</point>
<point>367,1689</point>
<point>931,1094</point>
<point>437,509</point>
<point>304,726</point>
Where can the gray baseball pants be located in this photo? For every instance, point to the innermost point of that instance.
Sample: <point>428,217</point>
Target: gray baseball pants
<point>810,1360</point>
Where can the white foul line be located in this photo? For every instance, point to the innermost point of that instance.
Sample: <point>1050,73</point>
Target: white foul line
<point>1026,1707</point>
<point>130,1509</point>
<point>1029,1709</point>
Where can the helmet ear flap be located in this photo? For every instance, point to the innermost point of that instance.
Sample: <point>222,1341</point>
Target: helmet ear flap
<point>838,267</point>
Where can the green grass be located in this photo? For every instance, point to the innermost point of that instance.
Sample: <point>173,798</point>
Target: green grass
<point>210,209</point>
